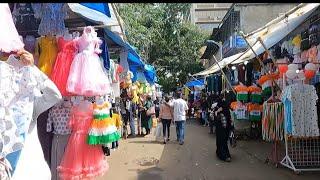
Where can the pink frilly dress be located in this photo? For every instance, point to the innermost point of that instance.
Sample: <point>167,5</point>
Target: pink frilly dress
<point>80,160</point>
<point>87,76</point>
<point>61,69</point>
<point>9,37</point>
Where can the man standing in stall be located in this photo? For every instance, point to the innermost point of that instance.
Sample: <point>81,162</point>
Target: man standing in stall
<point>129,112</point>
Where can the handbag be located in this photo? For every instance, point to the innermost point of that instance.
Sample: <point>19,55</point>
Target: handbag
<point>151,111</point>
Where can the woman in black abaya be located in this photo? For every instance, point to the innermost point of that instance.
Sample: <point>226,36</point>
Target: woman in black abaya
<point>223,128</point>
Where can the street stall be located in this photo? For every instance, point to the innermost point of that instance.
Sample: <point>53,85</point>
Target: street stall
<point>72,44</point>
<point>283,60</point>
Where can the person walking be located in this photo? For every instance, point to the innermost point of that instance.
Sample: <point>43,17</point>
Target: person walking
<point>157,106</point>
<point>145,117</point>
<point>166,116</point>
<point>223,128</point>
<point>180,109</point>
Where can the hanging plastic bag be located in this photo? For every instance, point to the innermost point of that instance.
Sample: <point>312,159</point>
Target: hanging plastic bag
<point>157,132</point>
<point>154,122</point>
<point>232,138</point>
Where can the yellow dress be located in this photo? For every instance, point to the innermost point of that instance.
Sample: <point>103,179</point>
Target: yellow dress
<point>47,51</point>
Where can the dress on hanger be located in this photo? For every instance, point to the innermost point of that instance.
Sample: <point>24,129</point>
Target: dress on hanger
<point>300,110</point>
<point>103,129</point>
<point>47,51</point>
<point>87,76</point>
<point>80,160</point>
<point>61,69</point>
<point>52,17</point>
<point>10,40</point>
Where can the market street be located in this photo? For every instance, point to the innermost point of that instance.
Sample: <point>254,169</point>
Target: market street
<point>144,159</point>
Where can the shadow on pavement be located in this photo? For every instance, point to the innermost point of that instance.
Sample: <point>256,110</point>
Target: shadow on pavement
<point>196,160</point>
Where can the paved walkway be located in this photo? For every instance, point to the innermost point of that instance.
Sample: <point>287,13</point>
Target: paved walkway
<point>144,159</point>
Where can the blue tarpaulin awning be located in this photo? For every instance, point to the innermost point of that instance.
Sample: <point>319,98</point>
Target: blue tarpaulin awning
<point>99,13</point>
<point>101,7</point>
<point>198,82</point>
<point>150,74</point>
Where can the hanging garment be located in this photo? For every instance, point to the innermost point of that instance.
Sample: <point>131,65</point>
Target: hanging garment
<point>249,74</point>
<point>10,40</point>
<point>61,69</point>
<point>312,55</point>
<point>23,16</point>
<point>52,17</point>
<point>241,74</point>
<point>59,144</point>
<point>255,94</point>
<point>242,93</point>
<point>36,94</point>
<point>103,130</point>
<point>105,55</point>
<point>58,118</point>
<point>255,112</point>
<point>301,112</point>
<point>47,51</point>
<point>30,43</point>
<point>304,56</point>
<point>86,65</point>
<point>80,160</point>
<point>240,110</point>
<point>266,82</point>
<point>305,43</point>
<point>273,121</point>
<point>296,42</point>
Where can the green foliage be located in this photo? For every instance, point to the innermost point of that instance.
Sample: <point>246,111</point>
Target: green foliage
<point>164,38</point>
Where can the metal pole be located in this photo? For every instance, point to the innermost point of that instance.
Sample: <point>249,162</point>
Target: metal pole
<point>260,61</point>
<point>265,47</point>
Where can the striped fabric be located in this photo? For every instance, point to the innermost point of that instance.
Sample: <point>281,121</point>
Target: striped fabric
<point>103,128</point>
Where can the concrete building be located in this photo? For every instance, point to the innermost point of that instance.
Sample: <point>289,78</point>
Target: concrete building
<point>245,17</point>
<point>208,15</point>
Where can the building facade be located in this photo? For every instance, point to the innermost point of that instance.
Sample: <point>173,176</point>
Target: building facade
<point>208,15</point>
<point>246,17</point>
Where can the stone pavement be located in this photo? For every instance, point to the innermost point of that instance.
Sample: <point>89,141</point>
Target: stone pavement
<point>143,158</point>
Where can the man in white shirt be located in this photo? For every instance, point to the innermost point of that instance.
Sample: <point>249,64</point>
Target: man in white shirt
<point>180,110</point>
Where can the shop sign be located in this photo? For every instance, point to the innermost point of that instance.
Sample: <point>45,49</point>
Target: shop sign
<point>239,42</point>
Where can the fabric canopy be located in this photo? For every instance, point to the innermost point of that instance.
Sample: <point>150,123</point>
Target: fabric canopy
<point>101,7</point>
<point>198,82</point>
<point>134,60</point>
<point>99,13</point>
<point>271,33</point>
<point>150,74</point>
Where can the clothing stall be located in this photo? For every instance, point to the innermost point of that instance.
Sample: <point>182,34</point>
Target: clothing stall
<point>72,47</point>
<point>290,97</point>
<point>281,60</point>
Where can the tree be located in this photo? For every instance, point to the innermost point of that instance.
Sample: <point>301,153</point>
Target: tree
<point>165,38</point>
